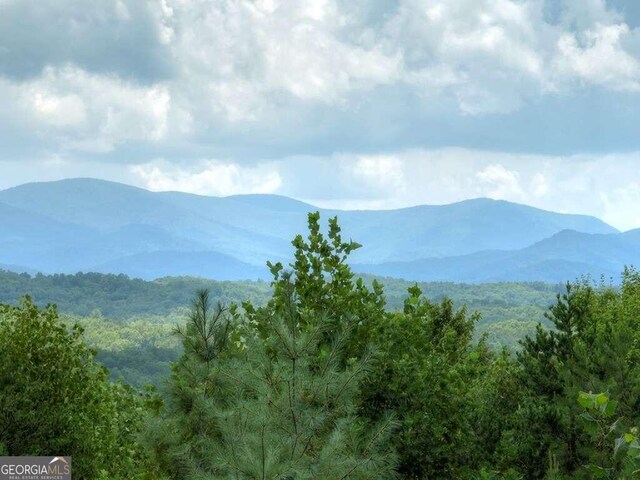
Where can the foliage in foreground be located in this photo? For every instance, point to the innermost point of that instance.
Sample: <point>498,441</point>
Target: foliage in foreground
<point>56,400</point>
<point>593,347</point>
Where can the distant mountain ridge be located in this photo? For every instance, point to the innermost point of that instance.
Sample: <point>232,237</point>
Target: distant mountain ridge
<point>95,225</point>
<point>564,256</point>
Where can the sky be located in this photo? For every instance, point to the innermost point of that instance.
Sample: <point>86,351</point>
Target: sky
<point>342,103</point>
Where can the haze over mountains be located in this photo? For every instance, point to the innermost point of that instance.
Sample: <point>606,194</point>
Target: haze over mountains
<point>94,225</point>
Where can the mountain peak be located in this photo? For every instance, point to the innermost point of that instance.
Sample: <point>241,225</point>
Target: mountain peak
<point>83,182</point>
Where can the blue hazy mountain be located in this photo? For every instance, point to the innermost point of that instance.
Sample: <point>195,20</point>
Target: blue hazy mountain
<point>86,224</point>
<point>564,256</point>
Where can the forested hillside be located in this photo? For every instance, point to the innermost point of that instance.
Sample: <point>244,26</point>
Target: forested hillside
<point>129,321</point>
<point>121,297</point>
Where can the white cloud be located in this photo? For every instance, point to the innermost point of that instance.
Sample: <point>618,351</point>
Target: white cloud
<point>241,61</point>
<point>379,171</point>
<point>600,58</point>
<point>208,178</point>
<point>86,112</point>
<point>496,50</point>
<point>59,110</point>
<point>539,185</point>
<point>620,204</point>
<point>242,57</point>
<point>498,182</point>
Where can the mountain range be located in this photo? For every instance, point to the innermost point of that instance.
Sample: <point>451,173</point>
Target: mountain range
<point>94,225</point>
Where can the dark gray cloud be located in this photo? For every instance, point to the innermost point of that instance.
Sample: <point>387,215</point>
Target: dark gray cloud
<point>102,36</point>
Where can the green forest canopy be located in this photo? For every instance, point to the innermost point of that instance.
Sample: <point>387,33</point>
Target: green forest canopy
<point>129,321</point>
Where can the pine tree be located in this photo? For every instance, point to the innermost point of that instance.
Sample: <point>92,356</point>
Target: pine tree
<point>178,436</point>
<point>270,393</point>
<point>295,416</point>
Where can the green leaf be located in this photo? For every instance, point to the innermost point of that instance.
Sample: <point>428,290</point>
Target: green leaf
<point>585,400</point>
<point>610,408</point>
<point>602,399</point>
